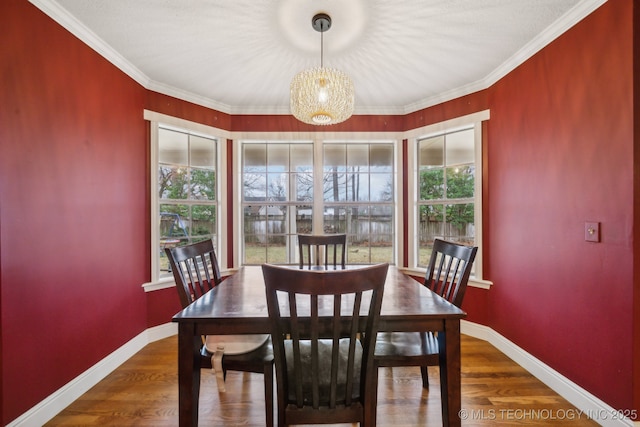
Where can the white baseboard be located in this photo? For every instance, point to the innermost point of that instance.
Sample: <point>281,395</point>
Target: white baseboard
<point>584,401</point>
<point>63,397</point>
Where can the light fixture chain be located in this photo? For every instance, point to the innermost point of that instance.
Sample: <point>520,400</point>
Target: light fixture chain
<point>321,47</point>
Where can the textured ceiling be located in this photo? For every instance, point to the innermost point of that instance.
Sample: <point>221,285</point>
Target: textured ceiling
<point>239,56</point>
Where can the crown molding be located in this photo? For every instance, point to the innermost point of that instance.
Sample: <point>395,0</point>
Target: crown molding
<point>188,96</point>
<point>77,28</point>
<point>88,37</point>
<point>552,32</point>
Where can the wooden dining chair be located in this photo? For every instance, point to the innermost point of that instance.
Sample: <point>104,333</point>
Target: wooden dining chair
<point>323,348</point>
<point>322,249</point>
<point>447,275</point>
<point>196,271</point>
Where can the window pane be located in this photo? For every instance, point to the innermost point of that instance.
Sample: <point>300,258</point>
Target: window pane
<point>304,219</point>
<point>276,226</point>
<point>460,147</point>
<point>431,184</point>
<point>173,147</point>
<point>172,182</point>
<point>359,227</point>
<point>301,157</point>
<point>381,187</point>
<point>254,157</point>
<point>335,186</point>
<point>253,223</point>
<point>254,186</point>
<point>460,182</point>
<point>173,222</point>
<point>304,186</point>
<point>431,152</point>
<point>358,250</point>
<point>203,184</point>
<point>203,220</point>
<point>431,226</point>
<point>382,248</point>
<point>277,157</point>
<point>460,222</point>
<point>254,248</point>
<point>335,156</point>
<point>203,153</point>
<point>335,219</point>
<point>277,188</point>
<point>358,157</point>
<point>381,158</point>
<point>357,187</point>
<point>276,250</point>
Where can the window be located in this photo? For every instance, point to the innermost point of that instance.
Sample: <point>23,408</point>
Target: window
<point>277,195</point>
<point>447,185</point>
<point>288,189</point>
<point>358,194</point>
<point>187,202</point>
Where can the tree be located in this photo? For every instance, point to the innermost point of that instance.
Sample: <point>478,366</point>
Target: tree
<point>451,188</point>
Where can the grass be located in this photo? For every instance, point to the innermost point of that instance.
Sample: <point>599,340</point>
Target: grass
<point>257,254</point>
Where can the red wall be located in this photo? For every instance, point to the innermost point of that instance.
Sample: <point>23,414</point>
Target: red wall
<point>560,152</point>
<point>74,199</point>
<point>73,213</point>
<point>161,306</point>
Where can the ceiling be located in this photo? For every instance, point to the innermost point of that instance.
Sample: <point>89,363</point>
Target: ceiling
<point>239,56</point>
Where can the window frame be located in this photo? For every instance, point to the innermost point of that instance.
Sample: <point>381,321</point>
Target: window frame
<point>413,137</point>
<point>232,203</point>
<point>318,139</point>
<point>290,203</point>
<point>155,121</point>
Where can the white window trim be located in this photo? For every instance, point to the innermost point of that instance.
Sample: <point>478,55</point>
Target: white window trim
<point>317,139</point>
<point>472,120</point>
<point>221,136</point>
<point>397,137</point>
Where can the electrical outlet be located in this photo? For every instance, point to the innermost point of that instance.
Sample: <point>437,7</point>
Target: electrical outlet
<point>592,231</point>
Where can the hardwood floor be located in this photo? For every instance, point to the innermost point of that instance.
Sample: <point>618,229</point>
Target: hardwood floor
<point>495,391</point>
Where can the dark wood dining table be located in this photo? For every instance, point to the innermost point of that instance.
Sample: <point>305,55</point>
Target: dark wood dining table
<point>238,306</point>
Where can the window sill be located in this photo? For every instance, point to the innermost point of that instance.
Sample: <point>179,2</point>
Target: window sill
<point>169,282</point>
<point>417,272</point>
<point>473,282</point>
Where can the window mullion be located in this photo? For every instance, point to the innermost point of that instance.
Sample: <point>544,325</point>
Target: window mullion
<point>318,187</point>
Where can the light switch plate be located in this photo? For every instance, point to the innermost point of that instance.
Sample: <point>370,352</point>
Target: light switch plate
<point>592,231</point>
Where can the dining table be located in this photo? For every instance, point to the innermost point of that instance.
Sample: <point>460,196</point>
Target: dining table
<point>238,306</point>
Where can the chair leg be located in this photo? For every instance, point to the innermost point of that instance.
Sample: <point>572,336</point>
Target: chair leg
<point>268,393</point>
<point>371,400</point>
<point>425,377</point>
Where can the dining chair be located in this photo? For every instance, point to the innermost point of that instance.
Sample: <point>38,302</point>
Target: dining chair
<point>196,271</point>
<point>447,275</point>
<point>320,249</point>
<point>323,346</point>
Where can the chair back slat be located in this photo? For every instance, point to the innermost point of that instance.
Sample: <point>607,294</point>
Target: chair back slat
<point>449,270</point>
<point>325,249</point>
<point>323,347</point>
<point>195,270</point>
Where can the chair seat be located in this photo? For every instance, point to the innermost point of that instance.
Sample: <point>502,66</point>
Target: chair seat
<point>406,348</point>
<point>324,370</point>
<point>252,361</point>
<point>234,344</point>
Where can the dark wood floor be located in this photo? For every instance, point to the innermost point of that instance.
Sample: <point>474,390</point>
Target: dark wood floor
<point>495,391</point>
